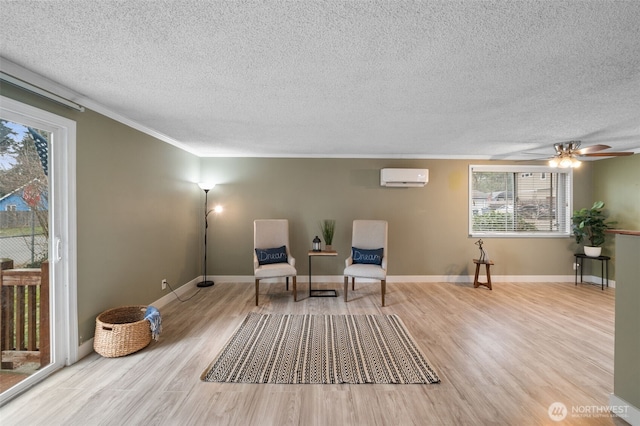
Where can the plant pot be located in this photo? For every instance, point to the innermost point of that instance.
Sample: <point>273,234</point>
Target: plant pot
<point>328,247</point>
<point>592,251</point>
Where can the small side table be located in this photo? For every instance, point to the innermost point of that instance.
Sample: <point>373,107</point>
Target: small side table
<point>317,292</point>
<point>487,264</point>
<point>604,267</point>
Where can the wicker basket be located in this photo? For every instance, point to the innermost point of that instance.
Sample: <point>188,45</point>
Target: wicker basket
<point>121,331</point>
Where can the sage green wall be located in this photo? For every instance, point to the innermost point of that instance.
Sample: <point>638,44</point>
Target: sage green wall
<point>428,231</point>
<point>616,181</point>
<point>626,371</point>
<point>138,213</point>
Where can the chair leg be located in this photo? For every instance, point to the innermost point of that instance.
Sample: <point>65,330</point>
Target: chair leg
<point>383,289</point>
<point>295,290</point>
<point>287,281</point>
<point>257,290</point>
<point>353,283</point>
<point>346,287</point>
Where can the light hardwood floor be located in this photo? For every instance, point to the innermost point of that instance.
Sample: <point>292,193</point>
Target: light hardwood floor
<point>503,357</point>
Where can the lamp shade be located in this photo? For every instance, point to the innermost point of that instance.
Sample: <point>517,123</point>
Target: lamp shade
<point>565,163</point>
<point>206,185</point>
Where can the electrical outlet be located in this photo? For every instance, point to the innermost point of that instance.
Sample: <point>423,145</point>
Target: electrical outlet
<point>575,266</point>
<point>164,284</point>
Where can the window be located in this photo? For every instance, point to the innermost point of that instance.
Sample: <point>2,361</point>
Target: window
<point>519,201</point>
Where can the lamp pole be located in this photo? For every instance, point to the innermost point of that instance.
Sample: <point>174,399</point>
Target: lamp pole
<point>206,188</point>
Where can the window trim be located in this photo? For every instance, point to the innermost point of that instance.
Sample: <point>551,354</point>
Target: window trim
<point>568,195</point>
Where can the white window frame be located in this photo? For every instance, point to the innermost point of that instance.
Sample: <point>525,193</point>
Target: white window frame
<point>564,201</point>
<point>62,238</point>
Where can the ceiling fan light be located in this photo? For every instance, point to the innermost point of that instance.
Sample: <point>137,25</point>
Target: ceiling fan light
<point>565,163</point>
<point>553,162</point>
<point>575,163</point>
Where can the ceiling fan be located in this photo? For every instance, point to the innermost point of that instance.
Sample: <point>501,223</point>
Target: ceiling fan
<point>566,153</point>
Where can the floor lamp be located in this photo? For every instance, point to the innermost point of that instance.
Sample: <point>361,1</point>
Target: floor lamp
<point>206,187</point>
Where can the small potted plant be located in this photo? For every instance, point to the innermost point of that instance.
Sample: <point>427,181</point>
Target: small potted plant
<point>328,227</point>
<point>590,224</point>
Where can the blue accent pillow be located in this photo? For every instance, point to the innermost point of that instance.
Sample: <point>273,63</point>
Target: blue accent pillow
<point>371,257</point>
<point>272,255</point>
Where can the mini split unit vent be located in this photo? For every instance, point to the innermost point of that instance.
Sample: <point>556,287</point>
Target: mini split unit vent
<point>404,177</point>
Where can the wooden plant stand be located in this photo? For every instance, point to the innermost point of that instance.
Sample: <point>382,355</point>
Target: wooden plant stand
<point>487,264</point>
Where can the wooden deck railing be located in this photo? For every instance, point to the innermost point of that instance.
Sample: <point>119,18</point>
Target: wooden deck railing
<point>24,312</point>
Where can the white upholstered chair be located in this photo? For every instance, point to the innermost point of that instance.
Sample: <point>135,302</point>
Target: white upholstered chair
<point>271,234</point>
<point>368,235</point>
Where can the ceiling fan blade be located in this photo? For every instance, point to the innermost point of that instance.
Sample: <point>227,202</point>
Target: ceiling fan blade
<point>607,154</point>
<point>614,138</point>
<point>532,161</point>
<point>534,154</point>
<point>590,149</point>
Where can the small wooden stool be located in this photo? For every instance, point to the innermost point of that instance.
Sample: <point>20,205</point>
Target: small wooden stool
<point>487,264</point>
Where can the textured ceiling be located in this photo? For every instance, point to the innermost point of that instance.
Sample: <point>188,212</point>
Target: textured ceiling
<point>430,79</point>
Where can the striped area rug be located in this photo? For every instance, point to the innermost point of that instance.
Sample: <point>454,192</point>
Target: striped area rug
<point>278,348</point>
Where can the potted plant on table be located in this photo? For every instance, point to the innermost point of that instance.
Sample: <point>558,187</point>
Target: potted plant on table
<point>590,224</point>
<point>328,227</point>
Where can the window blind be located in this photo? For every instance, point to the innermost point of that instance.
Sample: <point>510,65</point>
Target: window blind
<point>519,201</point>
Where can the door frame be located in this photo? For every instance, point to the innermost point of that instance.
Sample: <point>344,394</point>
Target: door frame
<point>62,236</point>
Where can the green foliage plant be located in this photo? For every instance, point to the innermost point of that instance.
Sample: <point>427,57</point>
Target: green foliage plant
<point>498,221</point>
<point>328,227</point>
<point>590,224</point>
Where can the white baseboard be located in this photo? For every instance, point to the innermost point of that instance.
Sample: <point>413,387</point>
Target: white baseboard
<point>624,410</point>
<point>592,279</point>
<point>171,296</point>
<point>419,279</point>
<point>85,349</point>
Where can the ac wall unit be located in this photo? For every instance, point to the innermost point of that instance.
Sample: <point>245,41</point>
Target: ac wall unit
<point>404,177</point>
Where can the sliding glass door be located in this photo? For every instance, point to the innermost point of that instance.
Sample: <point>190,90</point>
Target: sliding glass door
<point>37,245</point>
